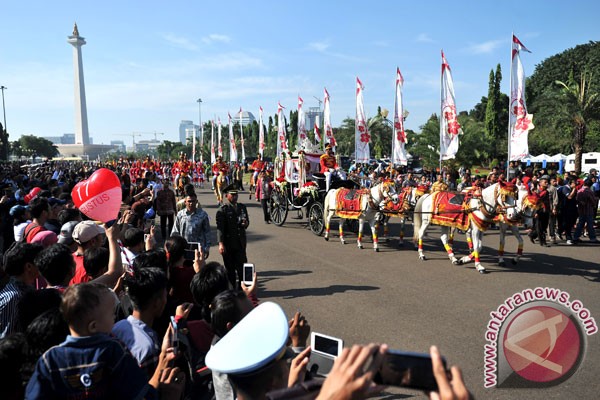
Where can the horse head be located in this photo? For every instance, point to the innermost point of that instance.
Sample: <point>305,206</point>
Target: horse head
<point>385,190</point>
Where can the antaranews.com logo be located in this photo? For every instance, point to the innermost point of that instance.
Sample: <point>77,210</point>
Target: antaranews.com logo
<point>536,338</point>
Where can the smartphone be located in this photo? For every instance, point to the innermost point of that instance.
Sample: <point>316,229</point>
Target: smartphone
<point>146,236</point>
<point>190,252</point>
<point>174,338</point>
<point>248,272</point>
<point>408,369</point>
<point>327,345</point>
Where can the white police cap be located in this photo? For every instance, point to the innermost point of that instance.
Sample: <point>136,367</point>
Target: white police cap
<point>259,338</point>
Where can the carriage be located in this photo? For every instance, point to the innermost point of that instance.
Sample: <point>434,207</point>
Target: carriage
<point>298,186</point>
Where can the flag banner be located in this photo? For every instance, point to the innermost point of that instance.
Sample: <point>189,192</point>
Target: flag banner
<point>219,146</point>
<point>302,136</point>
<point>281,132</point>
<point>361,132</point>
<point>261,132</point>
<point>242,136</point>
<point>519,121</point>
<point>194,145</point>
<point>317,134</point>
<point>212,142</point>
<point>232,149</point>
<point>449,126</point>
<point>329,139</point>
<point>399,155</point>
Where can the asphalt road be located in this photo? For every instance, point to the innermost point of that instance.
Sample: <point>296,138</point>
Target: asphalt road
<point>392,297</point>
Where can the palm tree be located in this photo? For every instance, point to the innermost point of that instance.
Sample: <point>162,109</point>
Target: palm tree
<point>580,106</point>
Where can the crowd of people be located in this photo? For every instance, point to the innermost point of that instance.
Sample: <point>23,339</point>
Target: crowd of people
<point>127,310</point>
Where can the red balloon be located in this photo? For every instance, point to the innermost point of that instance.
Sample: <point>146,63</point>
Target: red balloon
<point>99,197</point>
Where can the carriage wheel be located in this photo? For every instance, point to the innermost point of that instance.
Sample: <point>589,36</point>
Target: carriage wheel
<point>279,209</point>
<point>315,219</point>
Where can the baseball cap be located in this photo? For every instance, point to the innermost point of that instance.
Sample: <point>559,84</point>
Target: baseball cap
<point>66,232</point>
<point>17,210</point>
<point>257,340</point>
<point>45,238</point>
<point>86,231</point>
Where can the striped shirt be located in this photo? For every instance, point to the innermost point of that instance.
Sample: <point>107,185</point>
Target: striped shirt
<point>10,295</point>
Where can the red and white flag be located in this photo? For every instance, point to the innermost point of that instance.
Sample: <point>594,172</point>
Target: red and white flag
<point>302,137</point>
<point>281,132</point>
<point>361,132</point>
<point>261,132</point>
<point>449,126</point>
<point>399,155</point>
<point>219,139</point>
<point>212,142</point>
<point>232,149</point>
<point>242,136</point>
<point>329,139</point>
<point>519,121</point>
<point>317,132</point>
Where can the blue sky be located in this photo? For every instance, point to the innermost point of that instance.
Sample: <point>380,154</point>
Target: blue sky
<point>147,62</point>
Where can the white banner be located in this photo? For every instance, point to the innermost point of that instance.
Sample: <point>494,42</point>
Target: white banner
<point>361,132</point>
<point>242,136</point>
<point>519,122</point>
<point>329,139</point>
<point>212,142</point>
<point>399,155</point>
<point>281,132</point>
<point>302,136</point>
<point>219,146</point>
<point>232,149</point>
<point>317,134</point>
<point>449,126</point>
<point>261,132</point>
<point>194,145</point>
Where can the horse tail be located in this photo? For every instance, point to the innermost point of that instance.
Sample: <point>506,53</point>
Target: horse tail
<point>326,204</point>
<point>417,218</point>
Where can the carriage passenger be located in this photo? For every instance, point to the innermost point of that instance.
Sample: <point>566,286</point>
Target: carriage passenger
<point>329,166</point>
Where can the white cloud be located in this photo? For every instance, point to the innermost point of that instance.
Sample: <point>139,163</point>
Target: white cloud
<point>424,38</point>
<point>215,37</point>
<point>180,41</point>
<point>321,47</point>
<point>486,47</point>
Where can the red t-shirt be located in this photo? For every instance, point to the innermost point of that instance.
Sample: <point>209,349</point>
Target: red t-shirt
<point>80,275</point>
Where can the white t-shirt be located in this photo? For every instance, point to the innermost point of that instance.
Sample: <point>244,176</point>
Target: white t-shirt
<point>20,230</point>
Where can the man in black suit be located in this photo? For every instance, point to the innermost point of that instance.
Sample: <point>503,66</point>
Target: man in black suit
<point>232,222</point>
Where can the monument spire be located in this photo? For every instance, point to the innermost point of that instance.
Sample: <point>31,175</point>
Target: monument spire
<point>82,135</point>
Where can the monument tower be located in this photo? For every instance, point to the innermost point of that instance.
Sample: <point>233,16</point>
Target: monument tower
<point>82,135</point>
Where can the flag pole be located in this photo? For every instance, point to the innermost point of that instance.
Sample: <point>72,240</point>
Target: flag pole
<point>509,101</point>
<point>441,108</point>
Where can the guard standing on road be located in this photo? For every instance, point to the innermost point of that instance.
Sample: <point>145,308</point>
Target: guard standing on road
<point>232,222</point>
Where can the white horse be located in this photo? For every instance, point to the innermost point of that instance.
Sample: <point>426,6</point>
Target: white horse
<point>478,211</point>
<point>526,205</point>
<point>369,202</point>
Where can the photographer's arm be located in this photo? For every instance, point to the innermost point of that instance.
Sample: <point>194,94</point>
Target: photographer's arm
<point>115,265</point>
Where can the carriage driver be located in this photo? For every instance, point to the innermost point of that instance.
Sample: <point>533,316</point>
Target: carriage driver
<point>329,166</point>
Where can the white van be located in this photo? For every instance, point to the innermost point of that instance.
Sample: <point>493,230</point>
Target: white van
<point>588,161</point>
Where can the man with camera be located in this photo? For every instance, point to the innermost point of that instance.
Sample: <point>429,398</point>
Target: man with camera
<point>232,222</point>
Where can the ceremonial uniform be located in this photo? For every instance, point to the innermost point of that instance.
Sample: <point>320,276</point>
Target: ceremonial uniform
<point>328,165</point>
<point>232,222</point>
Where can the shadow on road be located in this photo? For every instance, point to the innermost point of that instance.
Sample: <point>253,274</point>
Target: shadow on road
<point>307,292</point>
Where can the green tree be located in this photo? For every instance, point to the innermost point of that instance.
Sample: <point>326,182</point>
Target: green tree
<point>37,146</point>
<point>579,105</point>
<point>4,144</point>
<point>492,112</point>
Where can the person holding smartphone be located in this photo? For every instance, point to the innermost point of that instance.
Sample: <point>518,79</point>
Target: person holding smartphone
<point>193,224</point>
<point>232,222</point>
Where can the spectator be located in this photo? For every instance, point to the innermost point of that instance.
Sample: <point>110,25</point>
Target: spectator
<point>19,265</point>
<point>45,238</point>
<point>56,206</point>
<point>264,188</point>
<point>87,235</point>
<point>21,218</point>
<point>586,207</point>
<point>193,224</point>
<point>40,210</point>
<point>165,205</point>
<point>66,235</point>
<point>147,290</point>
<point>79,367</point>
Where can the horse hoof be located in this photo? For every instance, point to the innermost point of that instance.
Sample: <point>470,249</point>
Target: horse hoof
<point>376,249</point>
<point>502,264</point>
<point>360,246</point>
<point>483,271</point>
<point>326,239</point>
<point>422,258</point>
<point>342,241</point>
<point>514,262</point>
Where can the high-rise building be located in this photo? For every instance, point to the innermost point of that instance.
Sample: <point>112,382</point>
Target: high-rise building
<point>314,114</point>
<point>184,125</point>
